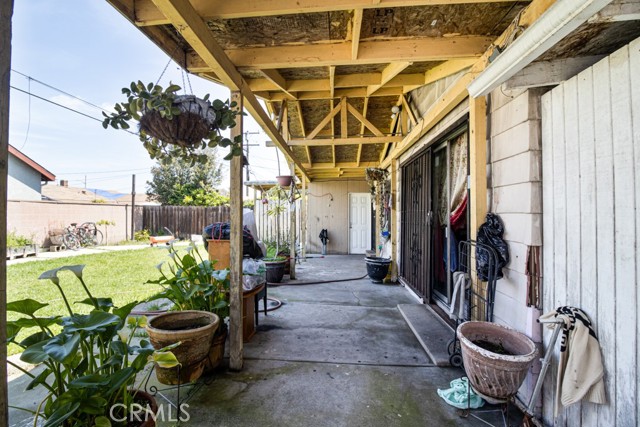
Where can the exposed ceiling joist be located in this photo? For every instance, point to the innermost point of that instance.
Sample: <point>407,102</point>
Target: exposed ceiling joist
<point>389,72</point>
<point>360,92</point>
<point>370,52</point>
<point>301,120</point>
<point>335,110</point>
<point>346,141</point>
<point>363,121</point>
<point>276,78</point>
<point>332,80</point>
<point>356,27</point>
<point>342,165</point>
<point>194,30</point>
<point>147,14</point>
<point>339,82</point>
<point>447,69</point>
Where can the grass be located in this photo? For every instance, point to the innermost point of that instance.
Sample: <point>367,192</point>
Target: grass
<point>120,275</point>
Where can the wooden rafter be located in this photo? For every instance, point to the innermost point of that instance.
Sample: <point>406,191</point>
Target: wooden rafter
<point>276,78</point>
<point>369,52</point>
<point>329,117</point>
<point>342,165</point>
<point>355,92</point>
<point>332,80</point>
<point>147,14</point>
<point>356,27</point>
<point>346,141</point>
<point>344,128</point>
<point>339,82</point>
<point>301,119</point>
<point>408,110</point>
<point>363,121</point>
<point>389,72</point>
<point>359,154</point>
<point>195,32</point>
<point>308,150</point>
<point>447,69</point>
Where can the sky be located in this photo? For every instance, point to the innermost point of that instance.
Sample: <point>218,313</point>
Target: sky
<point>90,51</point>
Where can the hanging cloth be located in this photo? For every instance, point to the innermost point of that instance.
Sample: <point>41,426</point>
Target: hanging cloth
<point>461,283</point>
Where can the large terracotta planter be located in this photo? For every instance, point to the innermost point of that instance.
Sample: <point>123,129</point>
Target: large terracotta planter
<point>498,373</point>
<point>216,351</point>
<point>195,330</point>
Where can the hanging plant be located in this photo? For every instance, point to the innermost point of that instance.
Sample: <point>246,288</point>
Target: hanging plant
<point>172,125</point>
<point>375,178</point>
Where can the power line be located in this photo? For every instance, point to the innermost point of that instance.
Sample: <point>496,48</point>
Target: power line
<point>94,172</point>
<point>65,107</point>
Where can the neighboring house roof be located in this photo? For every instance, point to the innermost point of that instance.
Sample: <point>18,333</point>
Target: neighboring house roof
<point>44,173</point>
<point>69,194</point>
<point>141,199</point>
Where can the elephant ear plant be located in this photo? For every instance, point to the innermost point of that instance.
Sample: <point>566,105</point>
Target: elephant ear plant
<point>90,366</point>
<point>192,283</point>
<point>174,125</point>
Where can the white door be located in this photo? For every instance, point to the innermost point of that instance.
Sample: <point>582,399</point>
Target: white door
<point>359,222</point>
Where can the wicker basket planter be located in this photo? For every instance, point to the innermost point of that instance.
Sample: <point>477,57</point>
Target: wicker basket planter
<point>496,376</point>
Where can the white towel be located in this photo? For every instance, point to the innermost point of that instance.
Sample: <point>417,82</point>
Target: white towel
<point>460,285</point>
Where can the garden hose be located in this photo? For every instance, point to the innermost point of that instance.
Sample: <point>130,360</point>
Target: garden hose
<point>317,282</point>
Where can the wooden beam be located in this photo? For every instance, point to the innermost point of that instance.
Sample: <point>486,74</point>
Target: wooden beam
<point>393,226</point>
<point>292,229</point>
<point>370,52</point>
<point>343,165</point>
<point>333,132</point>
<point>276,78</point>
<point>389,72</point>
<point>364,122</point>
<point>308,150</point>
<point>344,128</point>
<point>332,80</point>
<point>340,81</point>
<point>324,122</point>
<point>438,110</point>
<point>365,108</point>
<point>447,69</point>
<point>147,14</point>
<point>195,32</point>
<point>6,11</point>
<point>236,350</point>
<point>345,141</point>
<point>549,73</point>
<point>283,106</point>
<point>303,219</point>
<point>356,27</point>
<point>301,119</point>
<point>359,92</point>
<point>405,106</point>
<point>359,154</point>
<point>477,162</point>
<point>285,123</point>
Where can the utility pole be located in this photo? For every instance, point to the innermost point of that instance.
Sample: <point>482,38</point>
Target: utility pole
<point>247,145</point>
<point>133,205</point>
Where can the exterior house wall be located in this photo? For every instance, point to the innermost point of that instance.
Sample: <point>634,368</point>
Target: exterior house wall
<point>35,219</point>
<point>23,181</point>
<point>591,190</point>
<point>329,208</point>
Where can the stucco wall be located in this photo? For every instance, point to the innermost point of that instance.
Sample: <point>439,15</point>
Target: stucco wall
<point>35,219</point>
<point>23,182</point>
<point>329,208</point>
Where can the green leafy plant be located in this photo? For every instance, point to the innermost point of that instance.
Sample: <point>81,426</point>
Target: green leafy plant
<point>15,240</point>
<point>106,224</point>
<point>91,364</point>
<point>174,125</point>
<point>141,236</point>
<point>192,283</point>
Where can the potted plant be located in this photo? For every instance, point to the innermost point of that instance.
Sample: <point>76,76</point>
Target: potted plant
<point>192,284</point>
<point>174,125</point>
<point>275,264</point>
<point>91,365</point>
<point>18,245</point>
<point>284,180</point>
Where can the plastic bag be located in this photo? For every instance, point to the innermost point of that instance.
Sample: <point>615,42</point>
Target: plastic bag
<point>254,273</point>
<point>460,395</point>
<point>490,234</point>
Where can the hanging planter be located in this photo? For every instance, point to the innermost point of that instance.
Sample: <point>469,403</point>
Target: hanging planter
<point>284,180</point>
<point>173,125</point>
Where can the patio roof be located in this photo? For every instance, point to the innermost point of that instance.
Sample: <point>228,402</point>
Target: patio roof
<point>331,72</point>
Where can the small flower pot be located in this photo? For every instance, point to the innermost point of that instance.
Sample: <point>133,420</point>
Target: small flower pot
<point>377,268</point>
<point>284,180</point>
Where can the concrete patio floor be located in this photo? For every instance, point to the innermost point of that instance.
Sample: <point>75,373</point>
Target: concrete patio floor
<point>334,354</point>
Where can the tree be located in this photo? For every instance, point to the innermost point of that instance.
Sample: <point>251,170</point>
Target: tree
<point>177,183</point>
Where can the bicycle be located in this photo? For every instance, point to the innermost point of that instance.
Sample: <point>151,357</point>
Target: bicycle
<point>87,234</point>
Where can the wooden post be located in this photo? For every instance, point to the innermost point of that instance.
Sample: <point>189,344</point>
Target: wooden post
<point>6,10</point>
<point>393,225</point>
<point>133,207</point>
<point>478,162</point>
<point>235,312</point>
<point>303,219</point>
<point>292,226</point>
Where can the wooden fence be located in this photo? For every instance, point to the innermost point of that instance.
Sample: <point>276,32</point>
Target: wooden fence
<point>268,226</point>
<point>183,221</point>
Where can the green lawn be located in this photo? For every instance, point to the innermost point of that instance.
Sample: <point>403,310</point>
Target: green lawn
<point>118,275</point>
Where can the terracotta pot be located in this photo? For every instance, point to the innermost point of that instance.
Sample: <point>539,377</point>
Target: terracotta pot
<point>195,330</point>
<point>216,351</point>
<point>284,180</point>
<point>151,404</point>
<point>496,376</point>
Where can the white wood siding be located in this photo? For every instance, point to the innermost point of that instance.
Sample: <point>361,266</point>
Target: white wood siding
<point>591,192</point>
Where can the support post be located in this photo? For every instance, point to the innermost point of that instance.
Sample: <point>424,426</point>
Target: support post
<point>236,351</point>
<point>133,206</point>
<point>393,226</point>
<point>303,218</point>
<point>478,162</point>
<point>6,10</point>
<point>292,226</point>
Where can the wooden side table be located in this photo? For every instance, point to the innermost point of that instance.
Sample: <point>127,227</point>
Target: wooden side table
<point>248,312</point>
